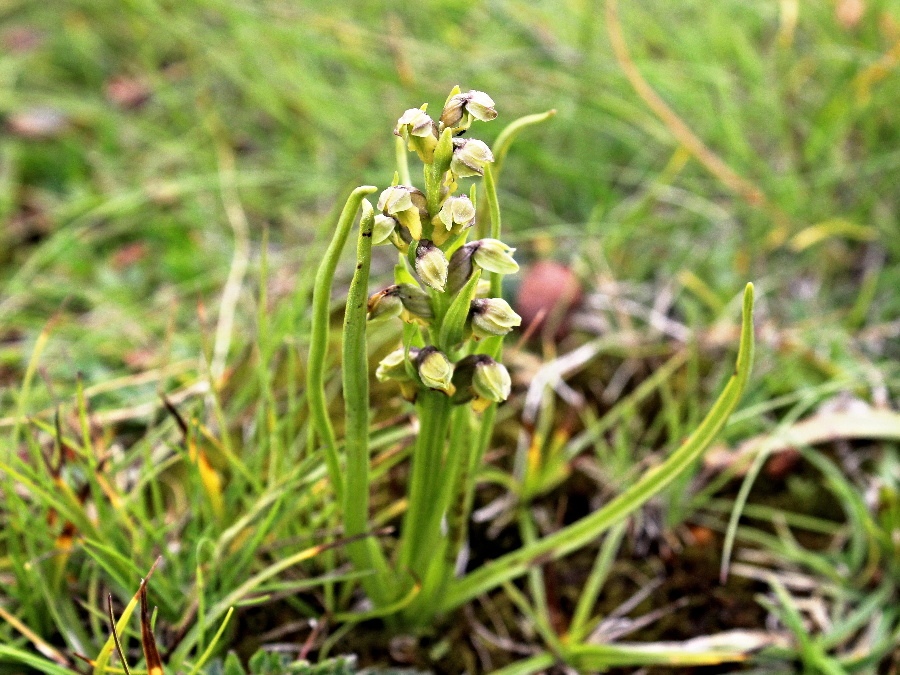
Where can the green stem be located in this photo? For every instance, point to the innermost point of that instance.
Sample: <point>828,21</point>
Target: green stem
<point>318,347</point>
<point>442,558</point>
<point>578,534</point>
<point>490,192</point>
<point>508,135</point>
<point>402,161</point>
<point>365,553</point>
<point>433,409</point>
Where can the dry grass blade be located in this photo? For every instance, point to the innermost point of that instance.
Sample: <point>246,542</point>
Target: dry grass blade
<point>148,642</point>
<point>859,423</point>
<point>115,634</point>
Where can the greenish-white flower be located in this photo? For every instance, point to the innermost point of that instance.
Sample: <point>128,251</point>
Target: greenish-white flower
<point>392,367</point>
<point>435,369</point>
<point>492,255</point>
<point>384,228</point>
<point>431,265</point>
<point>491,381</point>
<point>492,316</point>
<point>469,157</point>
<point>405,204</point>
<point>419,131</point>
<point>458,212</point>
<point>461,109</point>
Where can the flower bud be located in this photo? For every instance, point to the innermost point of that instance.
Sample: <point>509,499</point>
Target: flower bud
<point>491,381</point>
<point>463,108</point>
<point>431,265</point>
<point>457,213</point>
<point>479,377</point>
<point>492,255</point>
<point>460,268</point>
<point>419,131</point>
<point>385,304</point>
<point>415,301</point>
<point>469,157</point>
<point>492,316</point>
<point>435,369</point>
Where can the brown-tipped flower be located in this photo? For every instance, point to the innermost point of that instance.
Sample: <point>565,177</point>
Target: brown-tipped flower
<point>469,157</point>
<point>435,369</point>
<point>457,213</point>
<point>431,265</point>
<point>405,204</point>
<point>420,133</point>
<point>415,301</point>
<point>385,304</point>
<point>480,379</point>
<point>492,316</point>
<point>464,107</point>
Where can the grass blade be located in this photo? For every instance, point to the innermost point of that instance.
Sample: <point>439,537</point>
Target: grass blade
<point>587,529</point>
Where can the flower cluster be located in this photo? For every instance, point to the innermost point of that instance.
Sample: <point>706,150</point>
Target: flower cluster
<point>438,286</point>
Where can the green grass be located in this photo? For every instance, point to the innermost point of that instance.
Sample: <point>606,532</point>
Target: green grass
<point>118,236</point>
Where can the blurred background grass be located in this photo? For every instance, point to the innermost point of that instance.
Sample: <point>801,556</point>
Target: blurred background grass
<point>113,216</point>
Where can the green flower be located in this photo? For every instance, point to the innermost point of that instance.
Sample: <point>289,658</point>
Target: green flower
<point>385,304</point>
<point>435,369</point>
<point>460,267</point>
<point>492,255</point>
<point>463,108</point>
<point>407,300</point>
<point>458,213</point>
<point>431,265</point>
<point>469,157</point>
<point>420,133</point>
<point>492,316</point>
<point>415,301</point>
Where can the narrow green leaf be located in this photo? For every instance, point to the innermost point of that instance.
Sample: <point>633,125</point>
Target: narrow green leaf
<point>576,535</point>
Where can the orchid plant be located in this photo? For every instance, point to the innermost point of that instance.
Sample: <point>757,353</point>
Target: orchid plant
<point>447,294</point>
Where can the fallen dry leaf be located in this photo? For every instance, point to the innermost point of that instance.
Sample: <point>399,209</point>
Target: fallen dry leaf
<point>37,123</point>
<point>857,421</point>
